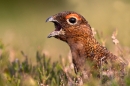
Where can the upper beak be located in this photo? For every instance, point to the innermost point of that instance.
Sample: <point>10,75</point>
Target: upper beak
<point>50,19</point>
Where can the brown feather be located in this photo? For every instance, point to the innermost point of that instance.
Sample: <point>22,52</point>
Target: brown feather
<point>87,54</point>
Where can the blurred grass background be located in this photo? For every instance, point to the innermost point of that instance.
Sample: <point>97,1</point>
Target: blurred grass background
<point>23,27</point>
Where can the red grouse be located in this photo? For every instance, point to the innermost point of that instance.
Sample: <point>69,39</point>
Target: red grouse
<point>88,55</point>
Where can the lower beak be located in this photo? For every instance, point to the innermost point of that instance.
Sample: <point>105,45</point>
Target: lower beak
<point>52,34</point>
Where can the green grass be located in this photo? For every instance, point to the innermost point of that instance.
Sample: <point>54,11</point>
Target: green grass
<point>46,72</point>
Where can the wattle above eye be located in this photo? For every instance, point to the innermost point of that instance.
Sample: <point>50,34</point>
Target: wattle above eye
<point>72,20</point>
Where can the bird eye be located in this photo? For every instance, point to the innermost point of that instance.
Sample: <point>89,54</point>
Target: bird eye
<point>72,20</point>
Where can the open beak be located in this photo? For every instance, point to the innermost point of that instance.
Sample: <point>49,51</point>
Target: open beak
<point>58,29</point>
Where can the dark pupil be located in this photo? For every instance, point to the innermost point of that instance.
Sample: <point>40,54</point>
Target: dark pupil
<point>72,20</point>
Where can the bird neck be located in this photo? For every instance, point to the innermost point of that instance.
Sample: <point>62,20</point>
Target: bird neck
<point>85,47</point>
